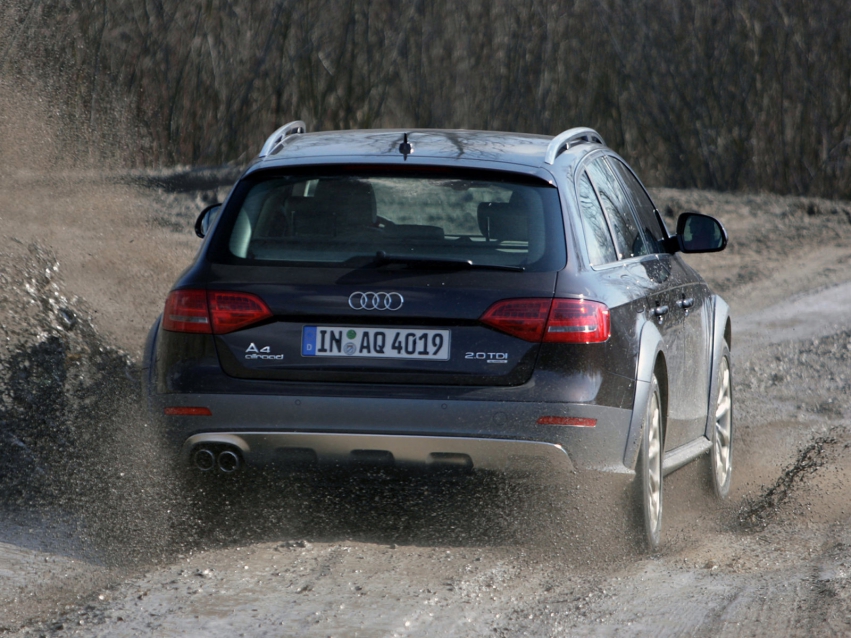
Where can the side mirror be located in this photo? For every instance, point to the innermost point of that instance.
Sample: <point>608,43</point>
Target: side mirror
<point>697,233</point>
<point>206,219</point>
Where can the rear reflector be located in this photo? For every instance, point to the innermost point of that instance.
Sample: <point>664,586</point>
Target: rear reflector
<point>187,411</point>
<point>551,320</point>
<point>212,312</point>
<point>567,420</point>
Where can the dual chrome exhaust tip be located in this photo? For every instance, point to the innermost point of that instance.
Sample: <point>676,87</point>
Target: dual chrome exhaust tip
<point>226,460</point>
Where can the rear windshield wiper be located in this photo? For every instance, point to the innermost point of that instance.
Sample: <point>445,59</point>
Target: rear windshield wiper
<point>383,259</point>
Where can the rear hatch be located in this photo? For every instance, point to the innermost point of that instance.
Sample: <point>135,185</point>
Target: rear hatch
<point>383,277</point>
<point>429,334</point>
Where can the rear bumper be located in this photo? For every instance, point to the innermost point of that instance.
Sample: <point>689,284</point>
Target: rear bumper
<point>489,435</point>
<point>323,450</point>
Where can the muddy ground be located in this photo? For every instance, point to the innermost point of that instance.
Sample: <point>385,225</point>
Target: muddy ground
<point>98,539</point>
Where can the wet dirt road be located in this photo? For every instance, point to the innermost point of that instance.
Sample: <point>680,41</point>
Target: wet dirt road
<point>380,559</point>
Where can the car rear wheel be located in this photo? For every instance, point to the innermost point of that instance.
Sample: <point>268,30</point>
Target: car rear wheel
<point>649,469</point>
<point>722,431</point>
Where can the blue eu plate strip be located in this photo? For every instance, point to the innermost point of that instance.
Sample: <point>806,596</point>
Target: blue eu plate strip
<point>308,341</point>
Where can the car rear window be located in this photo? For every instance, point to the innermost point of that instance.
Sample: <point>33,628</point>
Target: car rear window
<point>344,219</point>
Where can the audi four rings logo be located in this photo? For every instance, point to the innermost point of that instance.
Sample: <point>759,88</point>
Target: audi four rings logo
<point>376,301</point>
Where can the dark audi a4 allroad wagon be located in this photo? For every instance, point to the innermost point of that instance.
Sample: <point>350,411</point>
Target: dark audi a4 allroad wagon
<point>433,299</point>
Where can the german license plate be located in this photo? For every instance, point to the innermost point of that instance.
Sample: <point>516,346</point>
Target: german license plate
<point>375,343</point>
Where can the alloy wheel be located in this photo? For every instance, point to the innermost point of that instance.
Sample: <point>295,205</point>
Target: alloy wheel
<point>722,440</point>
<point>653,488</point>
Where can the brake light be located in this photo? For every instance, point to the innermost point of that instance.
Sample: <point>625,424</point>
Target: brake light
<point>523,318</point>
<point>212,312</point>
<point>234,310</point>
<point>551,320</point>
<point>578,321</point>
<point>187,311</point>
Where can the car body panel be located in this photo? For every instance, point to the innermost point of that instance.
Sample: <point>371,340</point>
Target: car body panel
<point>651,359</point>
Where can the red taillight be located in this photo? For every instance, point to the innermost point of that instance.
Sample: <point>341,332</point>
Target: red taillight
<point>578,321</point>
<point>551,320</point>
<point>187,311</point>
<point>234,310</point>
<point>523,318</point>
<point>212,311</point>
<point>180,410</point>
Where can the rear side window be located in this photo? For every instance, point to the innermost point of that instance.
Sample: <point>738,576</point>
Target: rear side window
<point>628,239</point>
<point>338,219</point>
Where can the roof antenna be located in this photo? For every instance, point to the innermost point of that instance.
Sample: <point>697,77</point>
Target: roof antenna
<point>406,148</point>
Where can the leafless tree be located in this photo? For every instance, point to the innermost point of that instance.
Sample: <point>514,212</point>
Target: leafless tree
<point>722,94</point>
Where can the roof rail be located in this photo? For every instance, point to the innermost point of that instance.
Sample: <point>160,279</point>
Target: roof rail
<point>568,138</point>
<point>276,140</point>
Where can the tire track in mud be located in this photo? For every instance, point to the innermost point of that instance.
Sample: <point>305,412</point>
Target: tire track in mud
<point>778,593</point>
<point>756,513</point>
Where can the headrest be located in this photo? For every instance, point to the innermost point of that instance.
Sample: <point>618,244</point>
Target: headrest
<point>352,199</point>
<point>310,222</point>
<point>503,222</point>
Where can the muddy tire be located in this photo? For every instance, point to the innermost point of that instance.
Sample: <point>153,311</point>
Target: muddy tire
<point>721,454</point>
<point>648,484</point>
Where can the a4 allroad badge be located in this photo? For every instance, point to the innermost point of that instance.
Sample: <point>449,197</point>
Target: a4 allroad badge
<point>264,353</point>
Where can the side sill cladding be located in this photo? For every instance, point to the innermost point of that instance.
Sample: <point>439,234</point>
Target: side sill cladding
<point>650,346</point>
<point>719,326</point>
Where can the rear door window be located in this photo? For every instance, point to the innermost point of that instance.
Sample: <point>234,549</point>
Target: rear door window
<point>598,239</point>
<point>628,240</point>
<point>339,219</point>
